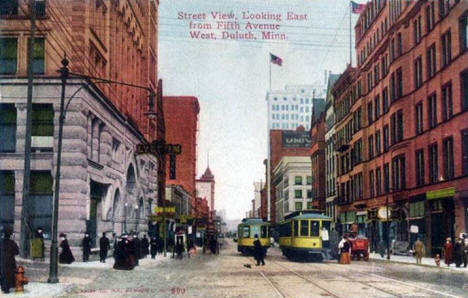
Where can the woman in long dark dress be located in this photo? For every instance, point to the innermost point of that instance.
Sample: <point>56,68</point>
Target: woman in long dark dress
<point>66,256</point>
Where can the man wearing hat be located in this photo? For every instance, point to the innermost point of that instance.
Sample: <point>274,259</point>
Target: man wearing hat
<point>2,273</point>
<point>9,251</point>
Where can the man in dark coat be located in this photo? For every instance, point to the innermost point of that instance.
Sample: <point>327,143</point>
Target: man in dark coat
<point>465,252</point>
<point>154,247</point>
<point>458,252</point>
<point>3,284</point>
<point>137,243</point>
<point>86,243</point>
<point>122,258</point>
<point>258,251</point>
<point>144,247</point>
<point>104,245</point>
<point>66,256</point>
<point>10,250</point>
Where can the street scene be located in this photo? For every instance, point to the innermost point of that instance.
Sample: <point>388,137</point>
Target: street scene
<point>234,148</point>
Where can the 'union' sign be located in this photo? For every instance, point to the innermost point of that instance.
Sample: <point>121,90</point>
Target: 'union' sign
<point>296,139</point>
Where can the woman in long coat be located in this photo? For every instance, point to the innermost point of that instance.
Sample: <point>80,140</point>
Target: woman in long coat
<point>448,252</point>
<point>66,256</point>
<point>10,250</point>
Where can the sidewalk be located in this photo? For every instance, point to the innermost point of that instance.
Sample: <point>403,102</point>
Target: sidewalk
<point>428,262</point>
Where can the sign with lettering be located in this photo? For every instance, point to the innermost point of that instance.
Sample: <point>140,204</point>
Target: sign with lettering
<point>296,139</point>
<point>159,147</point>
<point>160,210</point>
<point>441,193</point>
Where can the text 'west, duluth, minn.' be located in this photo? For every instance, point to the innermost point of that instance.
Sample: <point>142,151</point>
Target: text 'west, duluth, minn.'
<point>246,25</point>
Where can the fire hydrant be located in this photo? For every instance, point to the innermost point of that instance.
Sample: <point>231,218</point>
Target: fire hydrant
<point>21,280</point>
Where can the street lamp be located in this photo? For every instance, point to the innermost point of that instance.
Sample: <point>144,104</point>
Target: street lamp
<point>125,218</point>
<point>64,74</point>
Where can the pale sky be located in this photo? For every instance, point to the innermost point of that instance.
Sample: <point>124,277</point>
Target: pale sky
<point>231,78</point>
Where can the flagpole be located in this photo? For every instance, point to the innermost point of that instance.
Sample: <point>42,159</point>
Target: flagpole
<point>350,36</point>
<point>270,71</point>
<point>268,148</point>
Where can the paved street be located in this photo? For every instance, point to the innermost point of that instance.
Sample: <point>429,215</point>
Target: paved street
<point>226,276</point>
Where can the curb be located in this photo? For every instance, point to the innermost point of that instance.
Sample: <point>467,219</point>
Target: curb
<point>418,265</point>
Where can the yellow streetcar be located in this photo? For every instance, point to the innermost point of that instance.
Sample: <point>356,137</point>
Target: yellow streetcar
<point>246,231</point>
<point>306,235</point>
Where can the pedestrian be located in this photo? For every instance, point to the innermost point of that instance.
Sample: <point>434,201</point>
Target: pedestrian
<point>419,251</point>
<point>382,247</point>
<point>437,260</point>
<point>9,251</point>
<point>104,246</point>
<point>448,252</point>
<point>86,244</point>
<point>66,256</point>
<point>465,252</point>
<point>3,286</point>
<point>37,245</point>
<point>121,256</point>
<point>137,243</point>
<point>458,252</point>
<point>154,246</point>
<point>259,251</point>
<point>345,249</point>
<point>334,240</point>
<point>160,245</point>
<point>179,247</point>
<point>144,247</point>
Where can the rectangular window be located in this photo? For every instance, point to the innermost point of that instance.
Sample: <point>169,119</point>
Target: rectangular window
<point>8,55</point>
<point>304,227</point>
<point>464,32</point>
<point>399,173</point>
<point>41,200</point>
<point>399,44</point>
<point>38,56</point>
<point>298,180</point>
<point>309,194</point>
<point>377,143</point>
<point>431,61</point>
<point>430,16</point>
<point>42,120</point>
<point>419,118</point>
<point>298,193</point>
<point>464,95</point>
<point>418,72</point>
<point>441,8</point>
<point>8,8</point>
<point>172,167</point>
<point>8,127</point>
<point>298,206</point>
<point>386,169</point>
<point>465,152</point>
<point>314,229</point>
<point>370,113</point>
<point>385,138</point>
<point>7,198</point>
<point>371,183</point>
<point>392,88</point>
<point>432,110</point>
<point>40,6</point>
<point>448,159</point>
<point>446,40</point>
<point>309,180</point>
<point>399,86</point>
<point>378,181</point>
<point>447,106</point>
<point>385,99</point>
<point>433,164</point>
<point>370,145</point>
<point>420,167</point>
<point>377,106</point>
<point>416,209</point>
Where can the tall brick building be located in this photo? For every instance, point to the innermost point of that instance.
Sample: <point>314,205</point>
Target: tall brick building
<point>181,120</point>
<point>105,185</point>
<point>402,123</point>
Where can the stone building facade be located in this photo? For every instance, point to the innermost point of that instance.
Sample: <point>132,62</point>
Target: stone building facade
<point>105,185</point>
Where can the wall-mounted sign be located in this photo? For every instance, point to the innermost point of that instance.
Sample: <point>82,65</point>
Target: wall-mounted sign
<point>441,193</point>
<point>159,210</point>
<point>296,139</point>
<point>159,147</point>
<point>414,229</point>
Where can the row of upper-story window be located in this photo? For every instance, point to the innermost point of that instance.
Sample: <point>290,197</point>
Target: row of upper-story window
<point>286,107</point>
<point>346,101</point>
<point>281,116</point>
<point>399,43</point>
<point>302,100</point>
<point>283,125</point>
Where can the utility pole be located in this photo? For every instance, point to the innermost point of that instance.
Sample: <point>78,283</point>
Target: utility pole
<point>25,215</point>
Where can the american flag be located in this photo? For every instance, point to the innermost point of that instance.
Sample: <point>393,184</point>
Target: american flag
<point>357,8</point>
<point>276,60</point>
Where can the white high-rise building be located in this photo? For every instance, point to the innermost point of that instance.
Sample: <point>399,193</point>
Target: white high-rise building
<point>292,107</point>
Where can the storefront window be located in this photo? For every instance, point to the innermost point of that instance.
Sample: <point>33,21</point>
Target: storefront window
<point>416,209</point>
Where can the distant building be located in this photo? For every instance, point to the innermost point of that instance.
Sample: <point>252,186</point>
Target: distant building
<point>292,185</point>
<point>292,107</point>
<point>205,186</point>
<point>258,186</point>
<point>317,136</point>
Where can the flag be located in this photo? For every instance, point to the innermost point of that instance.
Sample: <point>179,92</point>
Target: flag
<point>276,60</point>
<point>357,8</point>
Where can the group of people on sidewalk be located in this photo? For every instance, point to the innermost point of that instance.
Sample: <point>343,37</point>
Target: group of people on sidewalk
<point>457,253</point>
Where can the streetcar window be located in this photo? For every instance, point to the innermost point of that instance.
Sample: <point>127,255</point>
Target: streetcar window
<point>255,230</point>
<point>314,229</point>
<point>245,232</point>
<point>304,228</point>
<point>264,233</point>
<point>296,228</point>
